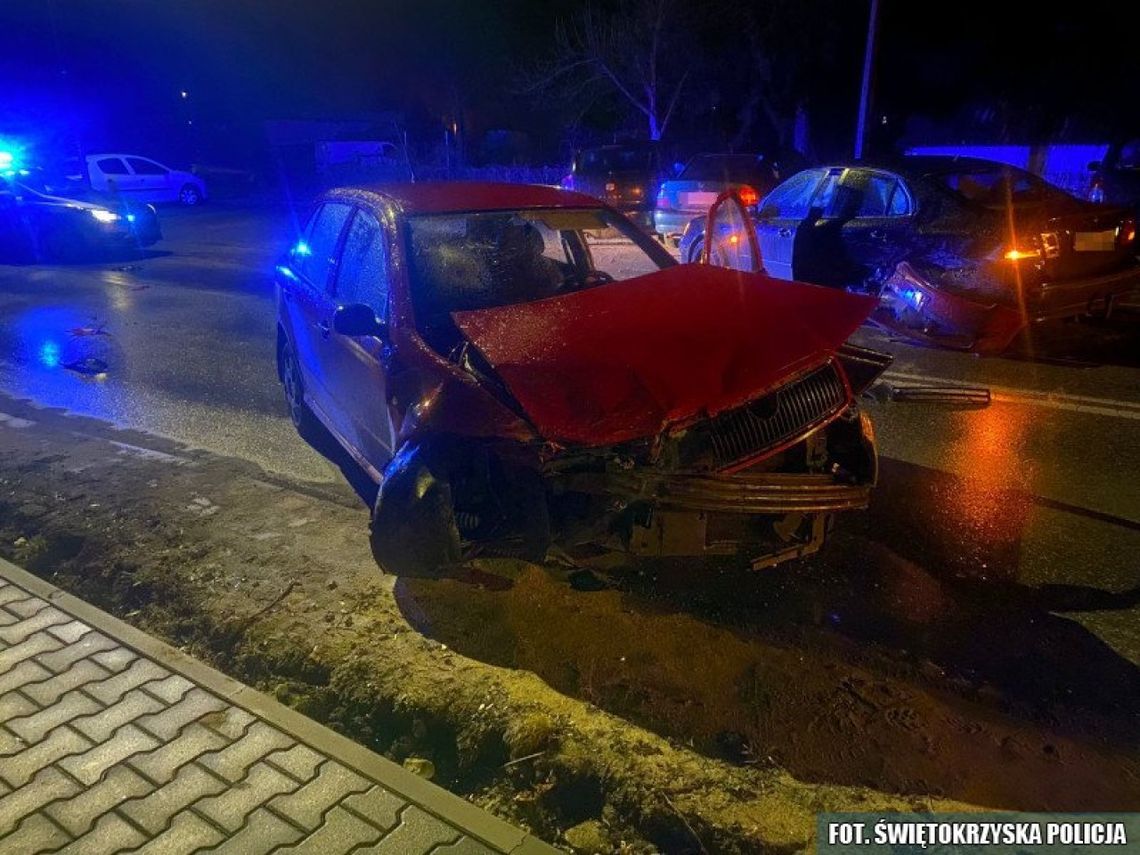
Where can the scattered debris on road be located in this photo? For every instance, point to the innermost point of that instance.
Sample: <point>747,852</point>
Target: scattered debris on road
<point>90,365</point>
<point>973,396</point>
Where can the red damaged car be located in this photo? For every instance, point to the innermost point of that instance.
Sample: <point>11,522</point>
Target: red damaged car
<point>511,383</point>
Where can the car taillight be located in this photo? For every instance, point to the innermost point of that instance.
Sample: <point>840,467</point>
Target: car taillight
<point>748,196</point>
<point>1127,232</point>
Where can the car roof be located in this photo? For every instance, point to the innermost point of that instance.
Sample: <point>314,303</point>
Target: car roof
<point>915,166</point>
<point>442,197</point>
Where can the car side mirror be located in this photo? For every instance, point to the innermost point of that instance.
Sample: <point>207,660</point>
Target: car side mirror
<point>1095,165</point>
<point>358,319</point>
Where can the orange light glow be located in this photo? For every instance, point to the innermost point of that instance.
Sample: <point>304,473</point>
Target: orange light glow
<point>1019,254</point>
<point>748,196</point>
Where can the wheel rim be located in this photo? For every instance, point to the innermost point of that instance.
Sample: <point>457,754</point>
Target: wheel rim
<point>293,394</point>
<point>189,196</point>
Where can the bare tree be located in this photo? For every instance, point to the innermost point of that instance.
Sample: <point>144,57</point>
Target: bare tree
<point>632,52</point>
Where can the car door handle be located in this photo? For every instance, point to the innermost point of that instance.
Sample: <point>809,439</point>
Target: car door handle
<point>878,234</point>
<point>785,232</point>
<point>324,327</point>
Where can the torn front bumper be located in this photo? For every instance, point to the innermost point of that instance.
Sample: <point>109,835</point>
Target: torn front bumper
<point>742,493</point>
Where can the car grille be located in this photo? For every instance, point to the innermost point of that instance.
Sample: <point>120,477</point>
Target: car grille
<point>768,422</point>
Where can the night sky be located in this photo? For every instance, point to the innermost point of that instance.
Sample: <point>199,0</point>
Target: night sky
<point>115,68</point>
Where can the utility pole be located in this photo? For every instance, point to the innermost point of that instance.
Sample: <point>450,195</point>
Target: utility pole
<point>868,70</point>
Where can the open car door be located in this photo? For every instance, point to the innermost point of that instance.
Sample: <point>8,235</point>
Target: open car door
<point>730,236</point>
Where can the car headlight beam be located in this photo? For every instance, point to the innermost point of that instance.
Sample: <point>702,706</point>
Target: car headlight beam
<point>103,215</point>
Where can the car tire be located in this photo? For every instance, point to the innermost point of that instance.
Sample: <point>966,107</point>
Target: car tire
<point>293,385</point>
<point>190,195</point>
<point>414,532</point>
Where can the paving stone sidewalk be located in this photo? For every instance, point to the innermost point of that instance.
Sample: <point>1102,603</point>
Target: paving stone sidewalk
<point>113,741</point>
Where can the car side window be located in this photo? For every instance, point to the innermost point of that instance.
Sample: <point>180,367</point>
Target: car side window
<point>362,275</point>
<point>112,166</point>
<point>825,195</point>
<point>900,202</point>
<point>879,196</point>
<point>145,167</point>
<point>315,255</point>
<point>792,198</point>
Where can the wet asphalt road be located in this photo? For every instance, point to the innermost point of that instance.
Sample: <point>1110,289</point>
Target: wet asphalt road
<point>1035,497</point>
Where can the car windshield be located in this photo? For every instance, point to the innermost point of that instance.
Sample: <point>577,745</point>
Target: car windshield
<point>616,159</point>
<point>995,187</point>
<point>484,259</point>
<point>736,169</point>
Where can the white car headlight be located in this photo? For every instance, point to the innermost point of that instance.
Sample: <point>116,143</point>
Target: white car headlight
<point>103,215</point>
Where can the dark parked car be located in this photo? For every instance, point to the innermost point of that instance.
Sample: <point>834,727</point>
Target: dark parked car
<point>506,389</point>
<point>625,176</point>
<point>37,224</point>
<point>702,180</point>
<point>1116,178</point>
<point>961,252</point>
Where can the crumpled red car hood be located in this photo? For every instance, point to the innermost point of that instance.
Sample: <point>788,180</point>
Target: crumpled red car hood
<point>627,359</point>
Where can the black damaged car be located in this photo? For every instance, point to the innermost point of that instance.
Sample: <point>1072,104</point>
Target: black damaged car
<point>42,222</point>
<point>961,252</point>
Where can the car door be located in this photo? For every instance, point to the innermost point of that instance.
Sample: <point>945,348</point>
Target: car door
<point>730,235</point>
<point>781,213</point>
<point>114,177</point>
<point>309,302</point>
<point>151,179</point>
<point>357,391</point>
<point>876,237</point>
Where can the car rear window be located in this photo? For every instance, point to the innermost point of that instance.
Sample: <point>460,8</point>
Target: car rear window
<point>737,169</point>
<point>995,187</point>
<point>616,159</point>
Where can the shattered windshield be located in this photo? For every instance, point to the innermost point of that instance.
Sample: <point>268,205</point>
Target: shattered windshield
<point>485,259</point>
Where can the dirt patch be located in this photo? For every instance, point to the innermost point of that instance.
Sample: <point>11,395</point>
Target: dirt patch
<point>552,707</point>
<point>756,702</point>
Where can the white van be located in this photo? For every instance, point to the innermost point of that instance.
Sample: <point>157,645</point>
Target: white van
<point>144,179</point>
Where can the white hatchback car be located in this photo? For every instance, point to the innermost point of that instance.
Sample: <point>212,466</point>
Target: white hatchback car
<point>144,179</point>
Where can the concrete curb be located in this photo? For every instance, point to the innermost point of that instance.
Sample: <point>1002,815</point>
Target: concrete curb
<point>431,798</point>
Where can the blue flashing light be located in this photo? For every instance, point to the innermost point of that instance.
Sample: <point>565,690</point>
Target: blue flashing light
<point>130,218</point>
<point>11,157</point>
<point>49,354</point>
<point>913,296</point>
<point>302,248</point>
<point>286,272</point>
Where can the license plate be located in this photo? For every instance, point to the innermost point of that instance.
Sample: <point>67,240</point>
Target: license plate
<point>1095,241</point>
<point>696,200</point>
